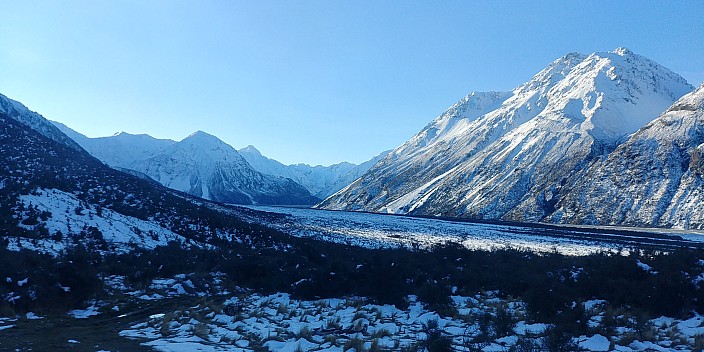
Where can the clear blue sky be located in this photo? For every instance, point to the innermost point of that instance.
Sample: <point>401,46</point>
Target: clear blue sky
<point>308,81</point>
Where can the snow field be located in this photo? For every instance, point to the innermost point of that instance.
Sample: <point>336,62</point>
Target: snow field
<point>248,322</point>
<point>69,216</point>
<point>388,231</point>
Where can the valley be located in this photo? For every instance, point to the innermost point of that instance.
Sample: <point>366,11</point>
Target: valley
<point>391,231</point>
<point>564,215</point>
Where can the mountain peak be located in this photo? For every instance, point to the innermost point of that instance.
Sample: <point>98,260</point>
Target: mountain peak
<point>200,134</point>
<point>551,74</point>
<point>507,162</point>
<point>250,149</point>
<point>611,94</point>
<point>201,137</point>
<point>575,55</point>
<point>693,101</point>
<point>622,51</point>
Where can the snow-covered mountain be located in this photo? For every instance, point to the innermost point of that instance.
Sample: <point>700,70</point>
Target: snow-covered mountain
<point>205,166</point>
<point>200,164</point>
<point>508,155</point>
<point>15,110</point>
<point>655,178</point>
<point>56,196</point>
<point>321,181</point>
<point>121,149</point>
<point>129,153</point>
<point>53,196</point>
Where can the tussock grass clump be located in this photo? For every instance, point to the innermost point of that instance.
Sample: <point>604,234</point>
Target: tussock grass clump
<point>355,344</point>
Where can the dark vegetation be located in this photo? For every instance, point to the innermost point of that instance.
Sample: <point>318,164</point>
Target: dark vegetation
<point>31,161</point>
<point>256,257</point>
<point>552,285</point>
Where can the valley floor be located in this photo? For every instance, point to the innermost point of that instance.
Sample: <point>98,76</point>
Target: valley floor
<point>389,231</point>
<point>504,288</point>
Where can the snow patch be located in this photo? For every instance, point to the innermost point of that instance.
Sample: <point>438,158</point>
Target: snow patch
<point>120,230</point>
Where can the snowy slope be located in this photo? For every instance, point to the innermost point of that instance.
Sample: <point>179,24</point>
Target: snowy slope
<point>449,140</point>
<point>510,160</point>
<point>391,231</point>
<point>53,196</point>
<point>118,150</point>
<point>321,181</point>
<point>120,232</point>
<point>21,113</point>
<point>655,178</point>
<point>200,164</point>
<point>205,166</point>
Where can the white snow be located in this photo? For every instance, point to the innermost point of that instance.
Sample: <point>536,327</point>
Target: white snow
<point>383,231</point>
<point>594,343</point>
<point>647,268</point>
<point>32,316</point>
<point>284,324</point>
<point>84,313</point>
<point>117,229</point>
<point>510,160</point>
<point>523,328</point>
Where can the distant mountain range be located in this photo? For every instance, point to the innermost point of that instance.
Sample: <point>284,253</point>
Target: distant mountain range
<point>201,165</point>
<point>54,195</point>
<point>563,147</point>
<point>206,167</point>
<point>321,181</point>
<point>610,138</point>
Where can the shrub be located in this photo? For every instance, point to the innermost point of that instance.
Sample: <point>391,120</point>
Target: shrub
<point>435,341</point>
<point>557,340</point>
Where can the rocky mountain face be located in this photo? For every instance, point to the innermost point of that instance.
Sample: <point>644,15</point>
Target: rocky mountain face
<point>16,111</point>
<point>511,155</point>
<point>655,178</point>
<point>205,166</point>
<point>321,181</point>
<point>201,165</point>
<point>121,149</point>
<point>130,152</point>
<point>53,196</point>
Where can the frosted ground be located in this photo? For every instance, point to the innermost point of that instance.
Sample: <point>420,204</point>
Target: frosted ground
<point>244,321</point>
<point>188,317</point>
<point>384,231</point>
<point>279,323</point>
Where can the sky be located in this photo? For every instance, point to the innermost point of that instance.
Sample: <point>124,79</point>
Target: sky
<point>316,82</point>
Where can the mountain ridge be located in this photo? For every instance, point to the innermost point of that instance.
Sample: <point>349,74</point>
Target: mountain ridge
<point>654,178</point>
<point>321,181</point>
<point>511,162</point>
<point>123,149</point>
<point>17,111</point>
<point>200,164</point>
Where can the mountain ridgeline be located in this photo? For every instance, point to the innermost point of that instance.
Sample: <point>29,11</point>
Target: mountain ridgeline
<point>201,165</point>
<point>53,194</point>
<point>564,147</point>
<point>321,181</point>
<point>610,138</point>
<point>204,166</point>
